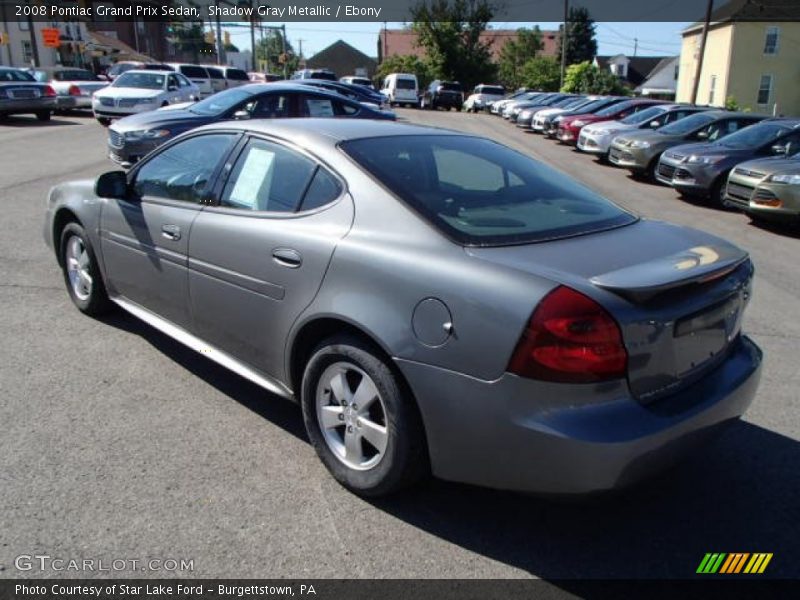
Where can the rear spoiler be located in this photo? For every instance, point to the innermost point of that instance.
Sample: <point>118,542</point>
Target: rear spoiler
<point>696,265</point>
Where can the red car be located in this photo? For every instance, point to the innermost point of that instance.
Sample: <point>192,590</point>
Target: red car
<point>569,128</point>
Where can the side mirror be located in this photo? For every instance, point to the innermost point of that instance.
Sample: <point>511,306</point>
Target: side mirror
<point>113,184</point>
<point>241,115</point>
<point>702,135</point>
<point>779,149</point>
<point>655,124</point>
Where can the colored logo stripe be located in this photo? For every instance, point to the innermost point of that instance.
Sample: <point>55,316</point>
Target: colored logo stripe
<point>721,562</point>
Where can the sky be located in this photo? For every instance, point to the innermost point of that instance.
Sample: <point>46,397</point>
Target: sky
<point>654,39</point>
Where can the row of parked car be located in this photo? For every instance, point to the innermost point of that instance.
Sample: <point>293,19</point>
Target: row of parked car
<point>738,160</point>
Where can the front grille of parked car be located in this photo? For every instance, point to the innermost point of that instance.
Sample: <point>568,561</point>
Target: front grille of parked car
<point>584,141</point>
<point>127,102</point>
<point>107,101</point>
<point>666,170</point>
<point>619,154</point>
<point>748,173</point>
<point>736,190</point>
<point>115,138</point>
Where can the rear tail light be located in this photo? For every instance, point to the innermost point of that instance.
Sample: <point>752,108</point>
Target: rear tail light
<point>49,91</point>
<point>570,338</point>
<point>74,90</point>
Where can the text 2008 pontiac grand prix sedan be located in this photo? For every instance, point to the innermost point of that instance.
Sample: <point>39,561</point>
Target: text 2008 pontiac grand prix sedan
<point>436,302</point>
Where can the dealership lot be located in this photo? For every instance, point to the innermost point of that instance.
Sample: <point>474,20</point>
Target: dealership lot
<point>120,444</point>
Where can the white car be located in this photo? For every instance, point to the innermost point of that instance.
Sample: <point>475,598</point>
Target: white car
<point>198,75</point>
<point>139,91</point>
<point>542,117</point>
<point>482,96</point>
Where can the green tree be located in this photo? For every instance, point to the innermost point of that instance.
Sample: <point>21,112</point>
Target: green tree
<point>541,73</point>
<point>581,42</point>
<point>450,31</point>
<point>270,49</point>
<point>404,64</point>
<point>190,38</point>
<point>585,78</point>
<point>515,53</point>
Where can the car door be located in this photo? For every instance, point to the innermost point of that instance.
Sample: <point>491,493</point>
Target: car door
<point>145,238</point>
<point>257,258</point>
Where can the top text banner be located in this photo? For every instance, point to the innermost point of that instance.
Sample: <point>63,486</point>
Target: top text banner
<point>389,10</point>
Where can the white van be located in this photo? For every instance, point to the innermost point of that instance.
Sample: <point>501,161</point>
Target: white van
<point>198,75</point>
<point>401,88</point>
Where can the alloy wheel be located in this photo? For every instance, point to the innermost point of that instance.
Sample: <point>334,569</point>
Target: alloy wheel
<point>77,261</point>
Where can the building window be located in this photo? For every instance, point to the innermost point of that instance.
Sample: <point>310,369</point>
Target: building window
<point>27,52</point>
<point>771,41</point>
<point>24,26</point>
<point>764,90</point>
<point>711,87</point>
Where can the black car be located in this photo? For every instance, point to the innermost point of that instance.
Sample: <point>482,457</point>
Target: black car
<point>20,93</point>
<point>129,139</point>
<point>442,94</point>
<point>357,93</point>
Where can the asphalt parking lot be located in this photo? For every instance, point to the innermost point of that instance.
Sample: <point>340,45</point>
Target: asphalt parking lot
<point>118,443</point>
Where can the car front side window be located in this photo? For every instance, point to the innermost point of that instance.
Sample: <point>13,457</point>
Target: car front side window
<point>183,171</point>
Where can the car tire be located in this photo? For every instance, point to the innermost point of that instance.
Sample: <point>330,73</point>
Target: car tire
<point>371,460</point>
<point>81,272</point>
<point>43,115</point>
<point>651,168</point>
<point>104,121</point>
<point>717,194</point>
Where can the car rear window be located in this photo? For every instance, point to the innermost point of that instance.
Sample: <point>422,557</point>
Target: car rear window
<point>196,72</point>
<point>14,75</point>
<point>236,75</point>
<point>492,91</point>
<point>406,84</point>
<point>451,87</point>
<point>478,192</point>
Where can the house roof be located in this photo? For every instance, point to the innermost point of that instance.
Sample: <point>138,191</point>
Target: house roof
<point>639,67</point>
<point>393,42</point>
<point>119,49</point>
<point>750,10</point>
<point>342,59</point>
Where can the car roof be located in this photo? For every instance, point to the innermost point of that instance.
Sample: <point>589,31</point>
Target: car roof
<point>330,132</point>
<point>149,71</point>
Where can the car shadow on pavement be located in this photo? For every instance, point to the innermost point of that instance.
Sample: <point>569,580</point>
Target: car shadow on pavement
<point>790,230</point>
<point>738,494</point>
<point>25,121</point>
<point>276,410</point>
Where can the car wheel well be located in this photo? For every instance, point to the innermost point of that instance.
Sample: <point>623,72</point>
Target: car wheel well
<point>62,218</point>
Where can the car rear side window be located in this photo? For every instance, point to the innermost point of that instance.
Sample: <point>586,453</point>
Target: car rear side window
<point>478,192</point>
<point>268,177</point>
<point>182,171</point>
<point>194,72</point>
<point>237,75</point>
<point>323,190</point>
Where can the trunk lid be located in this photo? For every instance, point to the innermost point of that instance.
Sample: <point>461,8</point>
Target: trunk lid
<point>678,298</point>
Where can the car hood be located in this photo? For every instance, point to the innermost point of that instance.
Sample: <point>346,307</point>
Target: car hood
<point>770,165</point>
<point>710,149</point>
<point>116,92</point>
<point>616,125</point>
<point>171,119</point>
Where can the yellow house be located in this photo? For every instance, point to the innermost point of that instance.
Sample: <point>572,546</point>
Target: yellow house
<point>757,63</point>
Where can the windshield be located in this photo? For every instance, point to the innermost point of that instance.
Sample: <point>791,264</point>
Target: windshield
<point>615,108</point>
<point>479,192</point>
<point>360,81</point>
<point>147,81</point>
<point>755,136</point>
<point>577,103</point>
<point>13,75</point>
<point>592,106</point>
<point>644,115</point>
<point>220,102</point>
<point>687,124</point>
<point>563,102</point>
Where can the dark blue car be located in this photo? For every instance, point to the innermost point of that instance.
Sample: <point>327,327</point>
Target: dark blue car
<point>131,138</point>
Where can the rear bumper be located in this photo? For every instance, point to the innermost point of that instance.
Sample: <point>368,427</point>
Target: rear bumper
<point>524,435</point>
<point>27,105</point>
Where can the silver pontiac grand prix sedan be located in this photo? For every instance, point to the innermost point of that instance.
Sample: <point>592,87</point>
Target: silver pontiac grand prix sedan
<point>436,302</point>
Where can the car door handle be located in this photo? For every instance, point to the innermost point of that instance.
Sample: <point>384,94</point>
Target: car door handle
<point>171,232</point>
<point>286,257</point>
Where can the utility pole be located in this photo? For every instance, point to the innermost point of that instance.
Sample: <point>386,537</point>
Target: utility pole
<point>253,36</point>
<point>564,39</point>
<point>696,83</point>
<point>220,43</point>
<point>283,51</point>
<point>300,52</point>
<point>635,45</point>
<point>34,45</point>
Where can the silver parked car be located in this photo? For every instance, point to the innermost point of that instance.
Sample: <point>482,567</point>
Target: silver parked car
<point>435,301</point>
